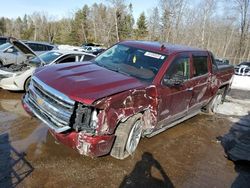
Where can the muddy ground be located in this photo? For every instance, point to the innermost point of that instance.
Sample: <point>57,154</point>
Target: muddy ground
<point>188,155</point>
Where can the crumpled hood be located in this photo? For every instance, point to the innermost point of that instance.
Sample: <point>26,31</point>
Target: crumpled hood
<point>86,82</point>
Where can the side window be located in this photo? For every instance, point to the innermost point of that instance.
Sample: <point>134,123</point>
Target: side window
<point>180,68</point>
<point>32,46</point>
<point>87,57</point>
<point>48,48</point>
<point>200,65</point>
<point>67,59</point>
<point>178,72</point>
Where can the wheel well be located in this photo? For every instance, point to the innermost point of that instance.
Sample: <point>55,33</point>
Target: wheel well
<point>225,90</point>
<point>26,82</point>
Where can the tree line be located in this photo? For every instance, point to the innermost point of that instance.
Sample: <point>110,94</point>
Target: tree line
<point>220,26</point>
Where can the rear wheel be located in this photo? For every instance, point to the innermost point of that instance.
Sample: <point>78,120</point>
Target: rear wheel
<point>212,106</point>
<point>128,135</point>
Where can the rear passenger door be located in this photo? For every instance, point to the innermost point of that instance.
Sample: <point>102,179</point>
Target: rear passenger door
<point>200,80</point>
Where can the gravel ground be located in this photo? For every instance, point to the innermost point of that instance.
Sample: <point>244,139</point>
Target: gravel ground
<point>187,155</point>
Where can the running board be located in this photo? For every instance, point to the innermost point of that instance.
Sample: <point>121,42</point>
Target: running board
<point>172,124</point>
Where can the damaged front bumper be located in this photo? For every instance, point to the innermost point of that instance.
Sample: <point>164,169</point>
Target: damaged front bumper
<point>93,146</point>
<point>85,144</point>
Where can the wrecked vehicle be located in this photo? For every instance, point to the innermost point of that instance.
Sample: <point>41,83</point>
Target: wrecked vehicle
<point>17,77</point>
<point>134,89</point>
<point>10,54</point>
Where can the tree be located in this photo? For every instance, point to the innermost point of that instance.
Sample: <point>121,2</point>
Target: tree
<point>141,31</point>
<point>154,25</point>
<point>243,7</point>
<point>2,26</point>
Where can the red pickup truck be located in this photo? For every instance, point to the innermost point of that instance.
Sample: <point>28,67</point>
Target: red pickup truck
<point>134,89</point>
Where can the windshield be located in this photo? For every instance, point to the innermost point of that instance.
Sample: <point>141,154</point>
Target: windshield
<point>132,61</point>
<point>46,57</point>
<point>4,46</point>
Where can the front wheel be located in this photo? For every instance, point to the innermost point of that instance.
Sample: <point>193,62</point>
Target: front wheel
<point>128,135</point>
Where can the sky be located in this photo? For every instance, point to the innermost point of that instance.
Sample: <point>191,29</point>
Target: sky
<point>62,8</point>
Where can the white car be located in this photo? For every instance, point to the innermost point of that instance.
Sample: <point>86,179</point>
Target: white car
<point>17,77</point>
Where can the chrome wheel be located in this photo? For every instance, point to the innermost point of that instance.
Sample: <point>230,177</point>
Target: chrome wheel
<point>134,137</point>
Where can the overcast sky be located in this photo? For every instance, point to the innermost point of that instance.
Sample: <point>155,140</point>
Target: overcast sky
<point>62,8</point>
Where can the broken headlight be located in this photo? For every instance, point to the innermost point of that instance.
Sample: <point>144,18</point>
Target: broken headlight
<point>85,119</point>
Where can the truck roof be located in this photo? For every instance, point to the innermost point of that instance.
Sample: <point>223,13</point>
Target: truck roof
<point>162,48</point>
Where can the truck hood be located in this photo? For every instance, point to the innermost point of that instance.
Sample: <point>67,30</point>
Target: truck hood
<point>86,82</point>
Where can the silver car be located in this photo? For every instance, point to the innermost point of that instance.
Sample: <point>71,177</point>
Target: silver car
<point>11,55</point>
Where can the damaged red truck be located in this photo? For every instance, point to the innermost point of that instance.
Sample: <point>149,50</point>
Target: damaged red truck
<point>134,89</point>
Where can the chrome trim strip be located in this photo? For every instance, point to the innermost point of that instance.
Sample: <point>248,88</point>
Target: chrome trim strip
<point>53,92</point>
<point>46,121</point>
<point>60,113</point>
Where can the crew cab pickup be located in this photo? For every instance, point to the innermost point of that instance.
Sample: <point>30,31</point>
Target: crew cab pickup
<point>134,89</point>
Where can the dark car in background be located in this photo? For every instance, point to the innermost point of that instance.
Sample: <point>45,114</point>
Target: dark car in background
<point>243,69</point>
<point>3,40</point>
<point>40,47</point>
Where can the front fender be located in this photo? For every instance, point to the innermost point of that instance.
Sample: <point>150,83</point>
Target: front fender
<point>120,107</point>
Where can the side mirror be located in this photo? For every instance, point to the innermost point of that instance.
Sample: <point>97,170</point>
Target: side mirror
<point>10,50</point>
<point>175,81</point>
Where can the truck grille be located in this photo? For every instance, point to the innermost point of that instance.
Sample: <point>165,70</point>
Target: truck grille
<point>50,105</point>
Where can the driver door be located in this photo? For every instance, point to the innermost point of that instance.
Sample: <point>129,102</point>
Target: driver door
<point>175,91</point>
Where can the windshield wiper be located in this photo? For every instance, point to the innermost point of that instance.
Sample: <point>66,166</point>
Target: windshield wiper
<point>115,69</point>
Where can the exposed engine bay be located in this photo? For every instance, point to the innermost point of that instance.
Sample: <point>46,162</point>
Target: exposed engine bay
<point>16,67</point>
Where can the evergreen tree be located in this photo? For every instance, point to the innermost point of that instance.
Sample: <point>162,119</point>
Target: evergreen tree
<point>141,31</point>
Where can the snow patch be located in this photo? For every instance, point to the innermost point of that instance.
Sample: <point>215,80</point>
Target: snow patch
<point>241,82</point>
<point>69,47</point>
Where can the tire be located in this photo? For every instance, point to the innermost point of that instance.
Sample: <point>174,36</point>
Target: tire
<point>212,106</point>
<point>128,135</point>
<point>26,84</point>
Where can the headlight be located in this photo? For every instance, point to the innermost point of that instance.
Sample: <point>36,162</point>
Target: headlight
<point>85,119</point>
<point>94,119</point>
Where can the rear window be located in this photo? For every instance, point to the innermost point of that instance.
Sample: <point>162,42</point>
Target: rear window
<point>200,65</point>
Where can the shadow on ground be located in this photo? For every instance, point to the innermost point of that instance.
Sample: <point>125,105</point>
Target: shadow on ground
<point>142,177</point>
<point>14,168</point>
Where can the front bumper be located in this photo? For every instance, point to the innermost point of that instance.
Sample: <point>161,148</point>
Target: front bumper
<point>9,84</point>
<point>93,146</point>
